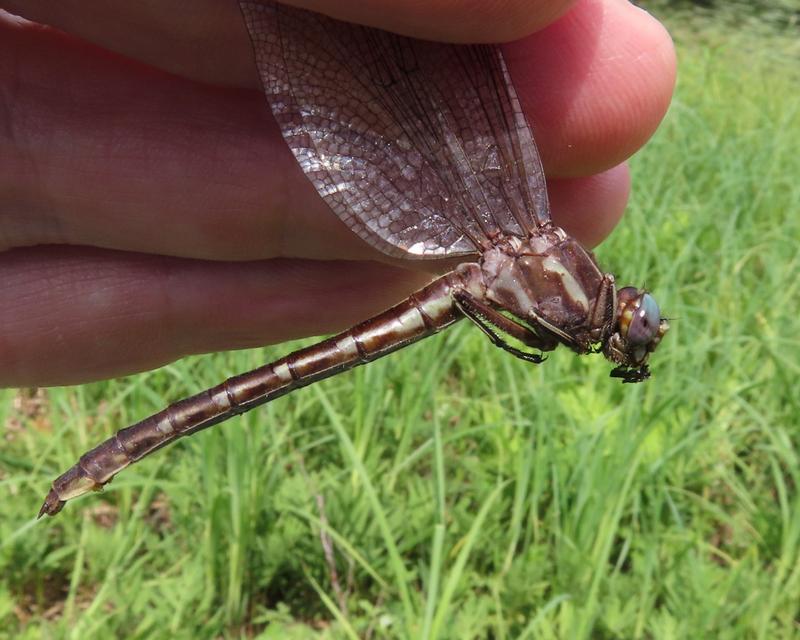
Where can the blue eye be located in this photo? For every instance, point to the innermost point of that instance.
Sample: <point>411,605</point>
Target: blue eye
<point>645,321</point>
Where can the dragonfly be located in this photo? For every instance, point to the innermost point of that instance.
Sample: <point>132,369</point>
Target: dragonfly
<point>423,150</point>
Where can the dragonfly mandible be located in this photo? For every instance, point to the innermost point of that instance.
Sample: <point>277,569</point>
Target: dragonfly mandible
<point>423,150</point>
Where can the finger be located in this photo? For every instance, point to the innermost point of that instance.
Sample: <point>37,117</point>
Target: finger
<point>71,314</point>
<point>173,35</point>
<point>589,208</point>
<point>595,84</point>
<point>104,153</point>
<point>178,37</point>
<point>100,152</point>
<point>446,20</point>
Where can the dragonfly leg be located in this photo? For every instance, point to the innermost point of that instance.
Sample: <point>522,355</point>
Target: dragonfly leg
<point>603,313</point>
<point>487,319</point>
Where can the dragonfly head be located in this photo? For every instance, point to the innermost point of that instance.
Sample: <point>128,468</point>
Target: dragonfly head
<point>638,329</point>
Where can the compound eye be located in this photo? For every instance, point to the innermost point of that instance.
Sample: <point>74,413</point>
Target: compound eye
<point>644,321</point>
<point>627,296</point>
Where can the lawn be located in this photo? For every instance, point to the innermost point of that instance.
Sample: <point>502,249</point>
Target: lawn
<point>451,491</point>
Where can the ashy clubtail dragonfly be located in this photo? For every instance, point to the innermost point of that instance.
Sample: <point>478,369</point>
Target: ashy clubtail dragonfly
<point>422,149</point>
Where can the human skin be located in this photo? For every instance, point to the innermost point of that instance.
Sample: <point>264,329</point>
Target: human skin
<point>149,208</point>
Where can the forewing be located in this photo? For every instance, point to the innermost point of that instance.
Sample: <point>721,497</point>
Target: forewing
<point>421,148</point>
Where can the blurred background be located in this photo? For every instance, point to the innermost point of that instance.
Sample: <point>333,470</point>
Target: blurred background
<point>453,492</point>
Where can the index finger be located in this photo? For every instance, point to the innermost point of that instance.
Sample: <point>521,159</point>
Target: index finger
<point>168,35</point>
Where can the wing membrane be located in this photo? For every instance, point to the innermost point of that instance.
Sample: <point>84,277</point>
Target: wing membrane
<point>421,148</point>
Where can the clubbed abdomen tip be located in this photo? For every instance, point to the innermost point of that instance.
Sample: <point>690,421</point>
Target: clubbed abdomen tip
<point>52,505</point>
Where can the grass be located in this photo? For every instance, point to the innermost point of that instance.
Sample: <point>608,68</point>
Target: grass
<point>450,491</point>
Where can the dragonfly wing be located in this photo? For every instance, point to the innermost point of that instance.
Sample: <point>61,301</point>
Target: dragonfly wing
<point>421,148</point>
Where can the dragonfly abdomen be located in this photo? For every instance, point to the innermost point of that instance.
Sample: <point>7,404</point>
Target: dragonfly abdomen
<point>417,317</point>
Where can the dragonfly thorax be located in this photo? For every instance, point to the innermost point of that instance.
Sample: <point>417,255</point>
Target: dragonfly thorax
<point>548,280</point>
<point>556,288</point>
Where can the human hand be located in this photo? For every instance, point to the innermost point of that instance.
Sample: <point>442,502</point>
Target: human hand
<point>150,209</point>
